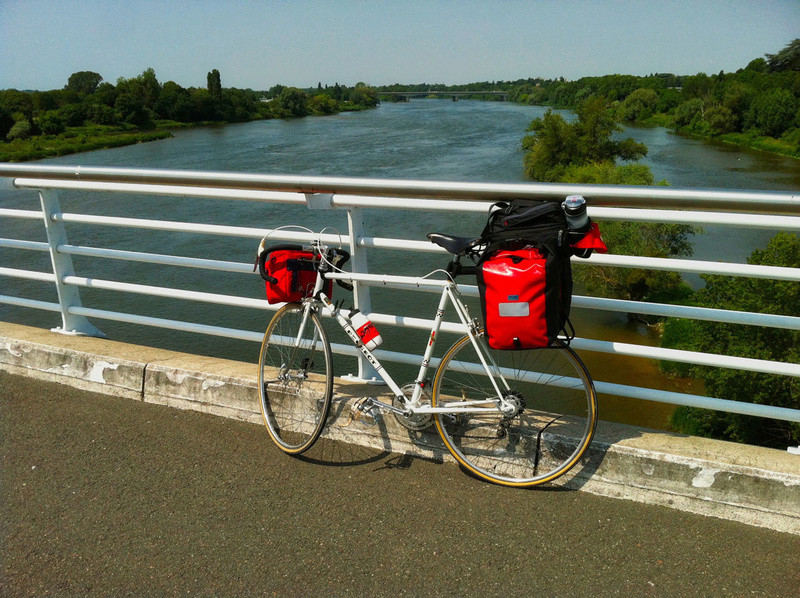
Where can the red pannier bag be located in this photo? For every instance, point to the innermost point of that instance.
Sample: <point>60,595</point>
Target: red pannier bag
<point>525,296</point>
<point>290,273</point>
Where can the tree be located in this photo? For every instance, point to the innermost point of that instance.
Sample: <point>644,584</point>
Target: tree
<point>132,110</point>
<point>639,105</point>
<point>787,59</point>
<point>555,144</point>
<point>106,94</point>
<point>146,87</point>
<point>6,122</point>
<point>101,114</point>
<point>758,65</point>
<point>364,96</point>
<point>73,115</point>
<point>755,295</point>
<point>551,147</point>
<point>51,123</point>
<point>214,84</point>
<point>584,152</point>
<point>17,102</point>
<point>293,101</point>
<point>720,120</point>
<point>84,82</point>
<point>322,103</point>
<point>275,90</point>
<point>689,112</point>
<point>22,129</point>
<point>773,112</point>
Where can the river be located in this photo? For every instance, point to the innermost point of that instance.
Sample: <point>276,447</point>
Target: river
<point>422,139</point>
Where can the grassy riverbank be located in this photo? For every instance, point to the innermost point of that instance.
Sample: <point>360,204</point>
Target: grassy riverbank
<point>785,147</point>
<point>75,140</point>
<point>89,114</point>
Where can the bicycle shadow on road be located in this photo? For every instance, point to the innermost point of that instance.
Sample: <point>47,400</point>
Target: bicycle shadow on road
<point>351,440</point>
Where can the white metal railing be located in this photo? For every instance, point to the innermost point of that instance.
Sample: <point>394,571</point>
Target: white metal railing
<point>753,209</point>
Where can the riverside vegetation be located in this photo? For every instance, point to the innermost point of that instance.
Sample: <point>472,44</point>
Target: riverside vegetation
<point>757,106</point>
<point>585,152</point>
<point>92,114</point>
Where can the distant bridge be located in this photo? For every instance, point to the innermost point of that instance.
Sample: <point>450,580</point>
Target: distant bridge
<point>405,96</point>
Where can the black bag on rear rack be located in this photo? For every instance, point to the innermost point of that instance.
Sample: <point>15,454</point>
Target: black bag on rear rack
<point>541,222</point>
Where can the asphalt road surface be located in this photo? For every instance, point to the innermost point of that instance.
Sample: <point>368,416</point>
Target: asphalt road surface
<point>104,496</point>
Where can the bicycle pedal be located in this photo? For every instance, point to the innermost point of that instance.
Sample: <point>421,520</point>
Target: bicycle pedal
<point>364,412</point>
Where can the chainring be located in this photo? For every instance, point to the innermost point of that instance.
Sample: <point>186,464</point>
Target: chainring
<point>418,421</point>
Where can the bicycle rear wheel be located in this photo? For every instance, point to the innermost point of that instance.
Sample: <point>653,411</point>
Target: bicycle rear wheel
<point>295,380</point>
<point>547,432</point>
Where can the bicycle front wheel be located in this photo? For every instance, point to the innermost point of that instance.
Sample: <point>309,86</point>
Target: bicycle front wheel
<point>295,381</point>
<point>550,417</point>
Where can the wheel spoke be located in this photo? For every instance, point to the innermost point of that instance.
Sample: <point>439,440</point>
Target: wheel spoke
<point>550,419</point>
<point>295,379</point>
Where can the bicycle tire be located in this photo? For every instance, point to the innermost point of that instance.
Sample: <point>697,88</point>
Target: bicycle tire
<point>295,385</point>
<point>544,439</point>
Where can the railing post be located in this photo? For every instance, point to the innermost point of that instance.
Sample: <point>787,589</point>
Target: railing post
<point>361,295</point>
<point>68,295</point>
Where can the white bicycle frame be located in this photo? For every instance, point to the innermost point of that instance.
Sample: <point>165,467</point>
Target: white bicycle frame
<point>413,403</point>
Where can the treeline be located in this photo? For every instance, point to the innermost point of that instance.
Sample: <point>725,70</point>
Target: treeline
<point>762,99</point>
<point>87,109</point>
<point>427,87</point>
<point>758,105</point>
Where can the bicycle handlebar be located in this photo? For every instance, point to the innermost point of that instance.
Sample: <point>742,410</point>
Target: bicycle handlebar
<point>335,257</point>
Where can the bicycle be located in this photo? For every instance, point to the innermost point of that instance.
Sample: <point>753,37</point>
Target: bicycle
<point>517,418</point>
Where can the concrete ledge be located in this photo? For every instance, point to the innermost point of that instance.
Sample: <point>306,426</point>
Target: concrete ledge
<point>753,485</point>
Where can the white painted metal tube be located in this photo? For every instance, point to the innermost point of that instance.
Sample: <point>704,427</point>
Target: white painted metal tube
<point>19,244</point>
<point>687,311</point>
<point>155,258</point>
<point>622,261</point>
<point>171,293</point>
<point>165,323</point>
<point>210,229</point>
<point>788,223</point>
<point>385,279</point>
<point>614,305</point>
<point>409,203</point>
<point>418,323</point>
<point>172,190</point>
<point>703,402</point>
<point>696,266</point>
<point>653,197</point>
<point>27,214</point>
<point>401,244</point>
<point>709,359</point>
<point>28,274</point>
<point>32,303</point>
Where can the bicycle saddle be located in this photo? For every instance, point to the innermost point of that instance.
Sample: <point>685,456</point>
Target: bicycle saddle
<point>454,245</point>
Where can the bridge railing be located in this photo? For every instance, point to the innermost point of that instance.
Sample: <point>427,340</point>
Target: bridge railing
<point>747,209</point>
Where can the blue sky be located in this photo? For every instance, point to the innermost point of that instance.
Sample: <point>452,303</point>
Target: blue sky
<point>257,44</point>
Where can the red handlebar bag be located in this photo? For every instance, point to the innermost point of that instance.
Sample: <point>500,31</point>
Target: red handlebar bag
<point>291,275</point>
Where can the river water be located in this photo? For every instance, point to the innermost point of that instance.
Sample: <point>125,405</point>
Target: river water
<point>423,139</point>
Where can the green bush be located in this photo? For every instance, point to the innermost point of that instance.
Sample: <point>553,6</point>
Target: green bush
<point>22,129</point>
<point>774,344</point>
